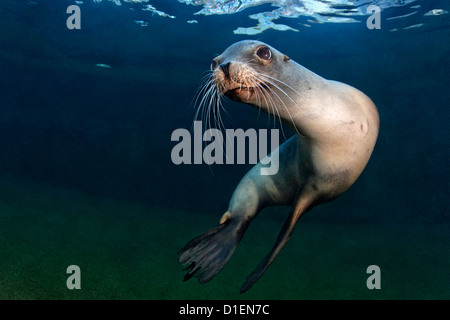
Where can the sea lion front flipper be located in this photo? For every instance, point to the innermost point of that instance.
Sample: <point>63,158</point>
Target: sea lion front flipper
<point>283,237</point>
<point>205,255</point>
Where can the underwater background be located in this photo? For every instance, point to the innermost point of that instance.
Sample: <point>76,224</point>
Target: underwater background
<point>86,176</point>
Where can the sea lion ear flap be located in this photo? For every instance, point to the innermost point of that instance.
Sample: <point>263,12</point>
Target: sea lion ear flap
<point>286,58</point>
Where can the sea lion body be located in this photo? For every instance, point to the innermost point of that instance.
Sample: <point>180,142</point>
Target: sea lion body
<point>336,125</point>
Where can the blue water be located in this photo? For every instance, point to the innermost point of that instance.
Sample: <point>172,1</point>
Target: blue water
<point>86,175</point>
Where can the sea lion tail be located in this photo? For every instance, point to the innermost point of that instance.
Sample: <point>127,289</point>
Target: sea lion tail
<point>205,255</point>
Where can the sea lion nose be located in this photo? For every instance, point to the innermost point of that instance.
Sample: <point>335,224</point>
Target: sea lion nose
<point>225,68</point>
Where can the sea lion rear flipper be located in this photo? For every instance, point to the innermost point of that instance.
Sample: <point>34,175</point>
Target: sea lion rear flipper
<point>282,239</point>
<point>205,255</point>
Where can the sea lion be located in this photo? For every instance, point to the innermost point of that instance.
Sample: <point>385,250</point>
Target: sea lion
<point>336,129</point>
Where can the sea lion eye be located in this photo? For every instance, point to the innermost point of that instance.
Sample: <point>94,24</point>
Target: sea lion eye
<point>264,53</point>
<point>213,65</point>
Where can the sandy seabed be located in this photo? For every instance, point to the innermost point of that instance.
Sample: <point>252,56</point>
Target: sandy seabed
<point>129,251</point>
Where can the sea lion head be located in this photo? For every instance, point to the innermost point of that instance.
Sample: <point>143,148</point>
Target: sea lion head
<point>255,73</point>
<point>248,70</point>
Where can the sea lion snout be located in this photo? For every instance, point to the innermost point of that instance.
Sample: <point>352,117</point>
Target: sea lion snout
<point>236,80</point>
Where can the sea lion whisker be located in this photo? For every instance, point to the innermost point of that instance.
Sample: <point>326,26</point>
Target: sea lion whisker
<point>207,90</point>
<point>264,77</point>
<point>281,82</point>
<point>206,81</point>
<point>268,80</point>
<point>284,92</point>
<point>282,102</point>
<point>275,108</point>
<point>204,87</point>
<point>258,86</point>
<point>216,105</point>
<point>211,102</point>
<point>214,109</point>
<point>268,100</point>
<point>246,86</point>
<point>272,105</point>
<point>220,107</point>
<point>210,99</point>
<point>210,108</point>
<point>258,94</point>
<point>207,100</point>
